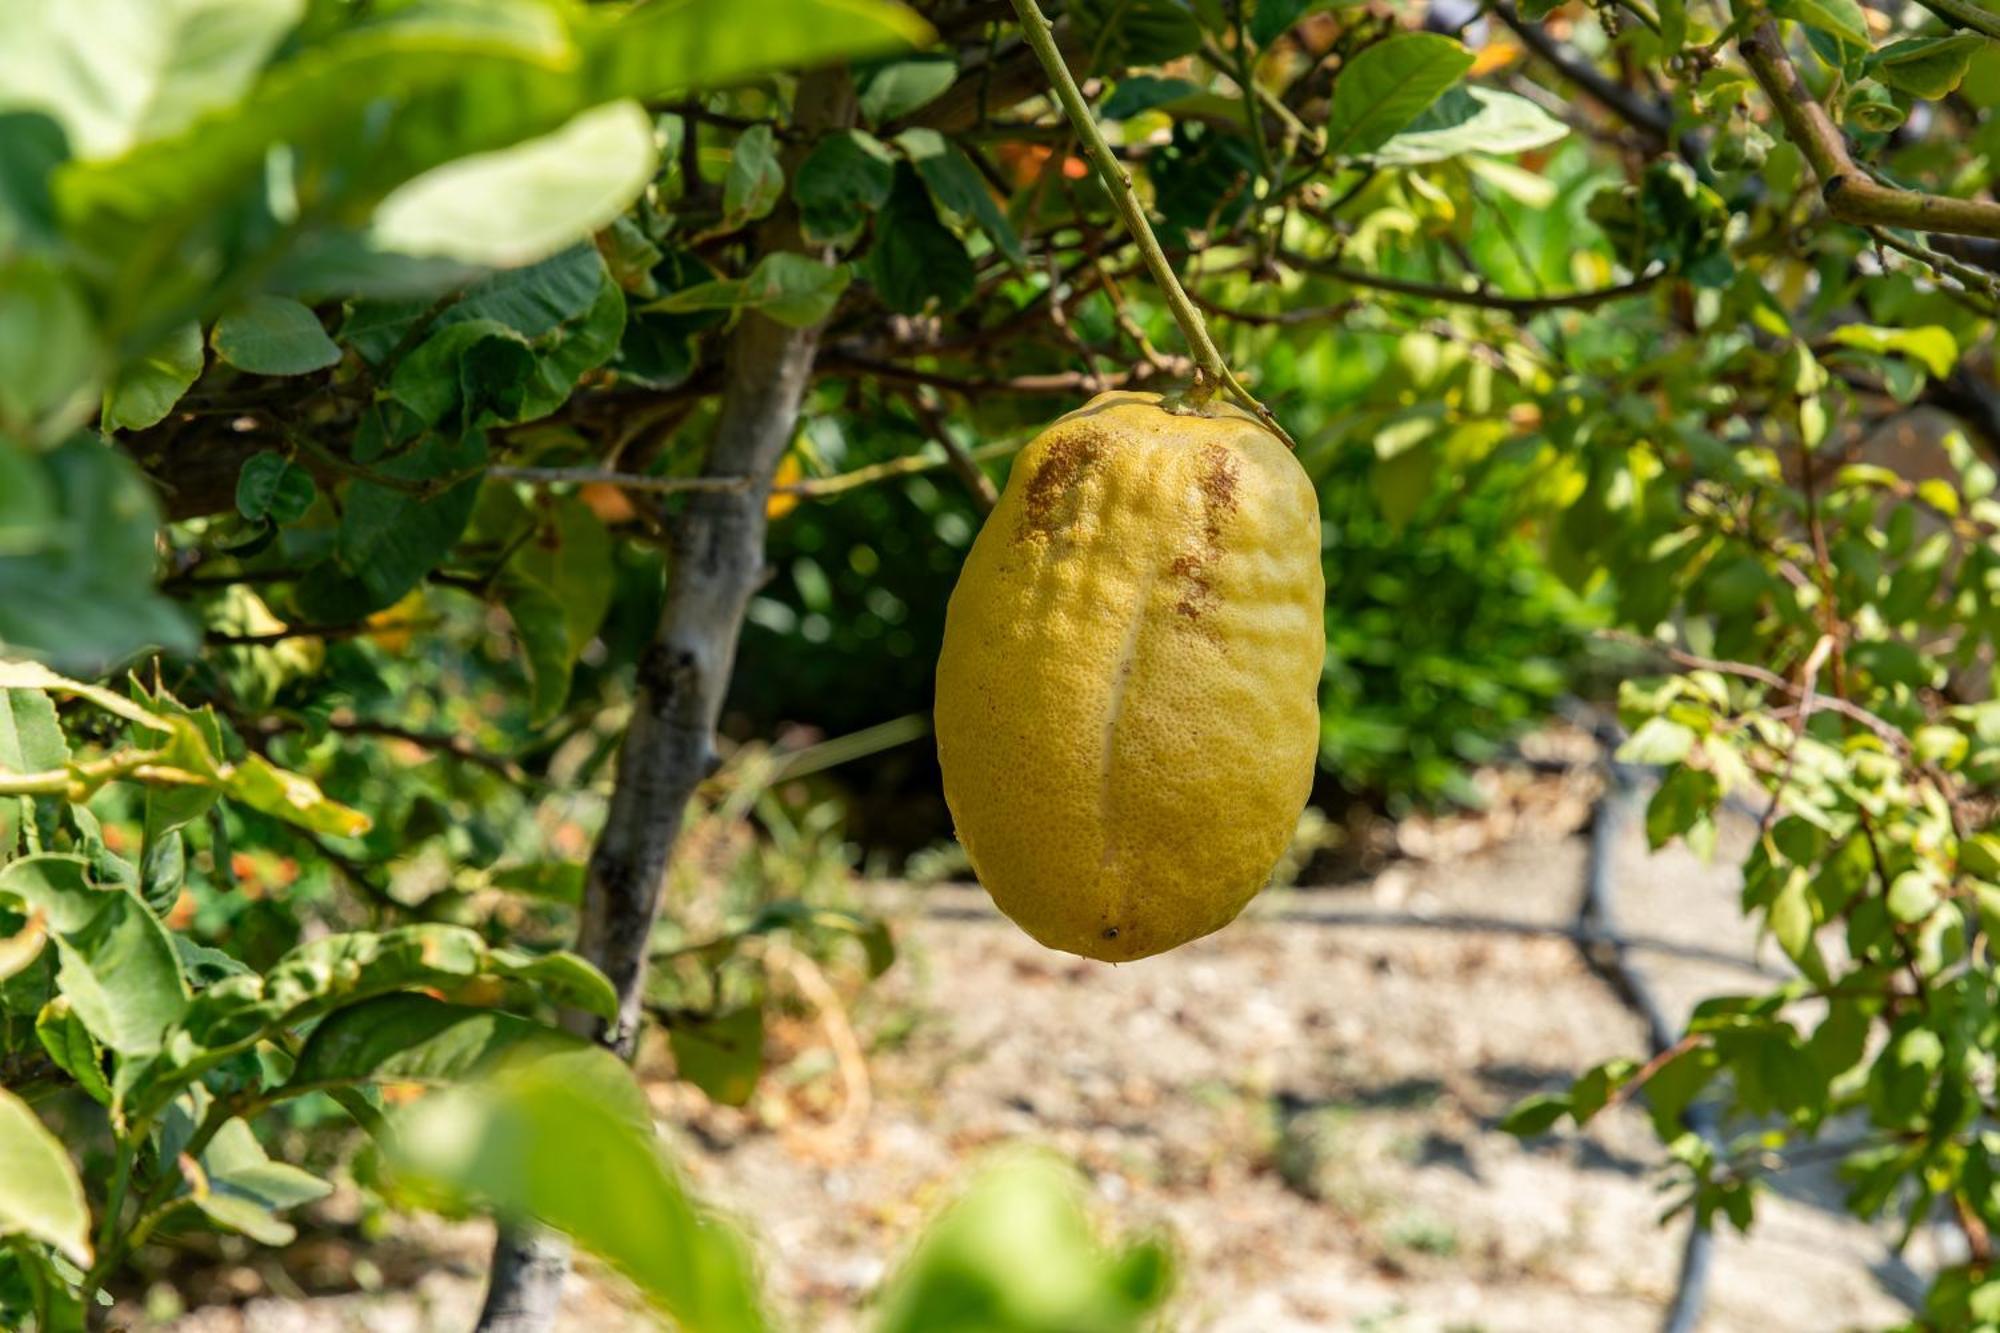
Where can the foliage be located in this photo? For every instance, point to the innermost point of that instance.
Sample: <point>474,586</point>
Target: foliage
<point>357,366</point>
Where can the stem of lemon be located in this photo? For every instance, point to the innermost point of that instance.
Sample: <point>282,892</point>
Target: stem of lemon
<point>1212,375</point>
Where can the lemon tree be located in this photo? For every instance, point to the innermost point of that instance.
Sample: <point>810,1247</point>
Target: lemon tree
<point>393,403</point>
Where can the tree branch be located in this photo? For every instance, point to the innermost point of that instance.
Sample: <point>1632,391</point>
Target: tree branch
<point>1851,195</point>
<point>1964,14</point>
<point>1483,299</point>
<point>669,745</point>
<point>1649,118</point>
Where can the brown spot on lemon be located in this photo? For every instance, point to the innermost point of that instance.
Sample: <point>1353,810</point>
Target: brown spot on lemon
<point>1052,499</point>
<point>1127,702</point>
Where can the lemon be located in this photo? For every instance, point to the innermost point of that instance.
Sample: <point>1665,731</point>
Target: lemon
<point>1127,697</point>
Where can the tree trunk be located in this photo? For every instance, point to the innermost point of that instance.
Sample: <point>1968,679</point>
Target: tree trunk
<point>718,558</point>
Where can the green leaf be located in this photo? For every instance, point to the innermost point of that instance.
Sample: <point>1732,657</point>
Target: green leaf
<point>32,148</point>
<point>916,261</point>
<point>245,1187</point>
<point>1659,741</point>
<point>69,1043</point>
<point>1839,18</point>
<point>1025,1216</point>
<point>558,881</point>
<point>1536,1114</point>
<point>271,487</point>
<point>118,968</point>
<point>31,740</point>
<point>958,187</point>
<point>40,1194</point>
<point>754,182</point>
<point>1143,92</point>
<point>561,978</point>
<point>1272,19</point>
<point>233,1212</point>
<point>1123,34</point>
<point>522,204</point>
<point>1684,803</point>
<point>892,90</point>
<point>119,71</point>
<point>339,970</point>
<point>1912,897</point>
<point>557,589</point>
<point>1388,85</point>
<point>845,178</point>
<point>1927,67</point>
<point>1792,923</point>
<point>48,348</point>
<point>415,1039</point>
<point>794,289</point>
<point>531,301</point>
<point>722,1054</point>
<point>145,390</point>
<point>453,79</point>
<point>273,335</point>
<point>568,1139</point>
<point>1472,120</point>
<point>390,538</point>
<point>466,374</point>
<point>1931,346</point>
<point>791,288</point>
<point>261,785</point>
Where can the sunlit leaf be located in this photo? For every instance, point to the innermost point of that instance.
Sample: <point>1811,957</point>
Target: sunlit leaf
<point>1388,85</point>
<point>521,204</point>
<point>568,1140</point>
<point>1472,120</point>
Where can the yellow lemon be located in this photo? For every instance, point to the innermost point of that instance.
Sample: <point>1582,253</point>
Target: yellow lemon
<point>1127,698</point>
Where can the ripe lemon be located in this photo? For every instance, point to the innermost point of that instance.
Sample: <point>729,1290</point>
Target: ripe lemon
<point>1127,698</point>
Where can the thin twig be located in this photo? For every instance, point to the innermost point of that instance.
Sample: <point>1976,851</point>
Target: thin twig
<point>1212,373</point>
<point>960,458</point>
<point>1483,299</point>
<point>1807,689</point>
<point>1851,195</point>
<point>1694,662</point>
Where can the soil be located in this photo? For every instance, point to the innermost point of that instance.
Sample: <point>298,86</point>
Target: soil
<point>1306,1103</point>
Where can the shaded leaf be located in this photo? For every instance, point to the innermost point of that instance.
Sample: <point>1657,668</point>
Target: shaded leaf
<point>842,181</point>
<point>916,260</point>
<point>899,87</point>
<point>273,335</point>
<point>40,1195</point>
<point>145,390</point>
<point>722,1054</point>
<point>755,182</point>
<point>271,487</point>
<point>957,185</point>
<point>414,1039</point>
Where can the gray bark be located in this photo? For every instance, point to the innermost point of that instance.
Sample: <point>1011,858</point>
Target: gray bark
<point>718,559</point>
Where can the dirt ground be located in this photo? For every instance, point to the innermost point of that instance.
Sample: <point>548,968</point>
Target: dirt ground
<point>1305,1103</point>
